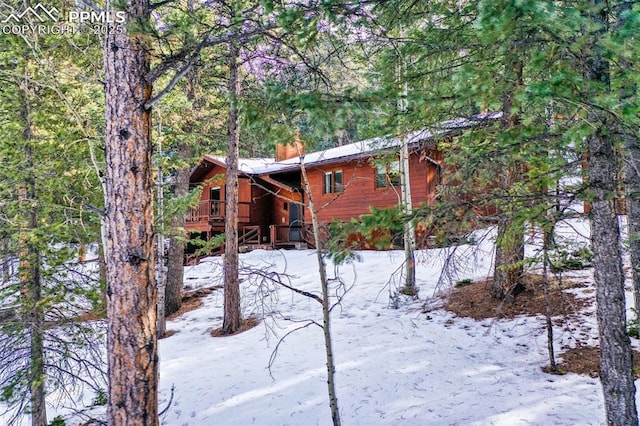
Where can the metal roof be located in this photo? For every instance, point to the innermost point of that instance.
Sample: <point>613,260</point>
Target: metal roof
<point>262,166</point>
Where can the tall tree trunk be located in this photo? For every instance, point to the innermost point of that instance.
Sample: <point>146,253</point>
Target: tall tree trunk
<point>631,168</point>
<point>232,315</point>
<point>632,195</point>
<point>508,269</point>
<point>36,333</point>
<point>616,363</point>
<point>34,314</point>
<point>30,280</point>
<point>4,259</point>
<point>547,243</point>
<point>326,307</point>
<point>175,254</point>
<point>406,206</point>
<point>616,367</point>
<point>161,283</point>
<point>131,291</point>
<point>409,237</point>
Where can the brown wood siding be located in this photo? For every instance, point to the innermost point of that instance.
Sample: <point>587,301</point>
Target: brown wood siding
<point>360,190</point>
<point>219,174</point>
<point>257,210</point>
<point>244,190</point>
<point>244,201</point>
<point>261,208</point>
<point>280,215</point>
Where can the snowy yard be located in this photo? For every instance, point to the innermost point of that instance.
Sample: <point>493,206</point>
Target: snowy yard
<point>396,363</point>
<point>394,366</point>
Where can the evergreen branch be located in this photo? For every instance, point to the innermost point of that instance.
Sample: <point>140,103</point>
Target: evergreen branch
<point>189,54</point>
<point>159,4</point>
<point>176,78</point>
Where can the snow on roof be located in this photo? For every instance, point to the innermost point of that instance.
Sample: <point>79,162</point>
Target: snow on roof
<point>252,166</point>
<point>257,166</point>
<point>369,146</point>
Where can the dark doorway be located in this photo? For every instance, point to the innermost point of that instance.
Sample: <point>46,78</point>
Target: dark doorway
<point>295,224</point>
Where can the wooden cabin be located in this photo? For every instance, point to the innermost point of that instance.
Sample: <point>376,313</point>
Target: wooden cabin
<point>345,182</point>
<point>265,205</point>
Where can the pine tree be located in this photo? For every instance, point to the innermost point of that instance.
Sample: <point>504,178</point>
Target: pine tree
<point>131,290</point>
<point>616,360</point>
<point>232,314</point>
<point>45,186</point>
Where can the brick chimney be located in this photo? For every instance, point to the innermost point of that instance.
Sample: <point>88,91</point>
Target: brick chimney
<point>284,152</point>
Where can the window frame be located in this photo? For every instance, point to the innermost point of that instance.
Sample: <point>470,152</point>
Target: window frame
<point>387,174</point>
<point>331,185</point>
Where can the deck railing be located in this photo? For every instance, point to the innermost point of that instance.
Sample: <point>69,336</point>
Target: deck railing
<point>286,234</point>
<point>249,235</point>
<point>214,210</point>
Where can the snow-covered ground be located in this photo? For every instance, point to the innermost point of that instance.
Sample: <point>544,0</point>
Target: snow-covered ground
<point>396,365</point>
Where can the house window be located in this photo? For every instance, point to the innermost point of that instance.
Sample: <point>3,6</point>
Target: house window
<point>388,174</point>
<point>214,201</point>
<point>333,182</point>
<point>337,181</point>
<point>214,193</point>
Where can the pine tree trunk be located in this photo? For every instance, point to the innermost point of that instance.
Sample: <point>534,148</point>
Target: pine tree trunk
<point>546,247</point>
<point>507,274</point>
<point>616,367</point>
<point>161,282</point>
<point>30,280</point>
<point>131,290</point>
<point>616,363</point>
<point>232,315</point>
<point>36,332</point>
<point>632,194</point>
<point>175,255</point>
<point>631,170</point>
<point>508,269</point>
<point>32,292</point>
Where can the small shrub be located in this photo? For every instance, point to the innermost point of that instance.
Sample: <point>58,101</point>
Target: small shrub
<point>463,282</point>
<point>100,399</point>
<point>444,240</point>
<point>57,421</point>
<point>565,260</point>
<point>633,328</point>
<point>394,300</point>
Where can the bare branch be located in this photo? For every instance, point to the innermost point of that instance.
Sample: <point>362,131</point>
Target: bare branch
<point>274,354</point>
<point>275,278</point>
